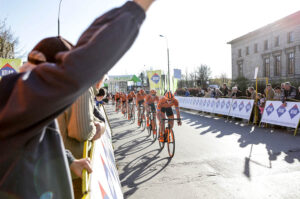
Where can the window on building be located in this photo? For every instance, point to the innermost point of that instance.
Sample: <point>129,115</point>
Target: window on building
<point>277,67</point>
<point>291,63</point>
<point>240,52</point>
<point>290,37</point>
<point>277,41</point>
<point>266,45</point>
<point>240,69</point>
<point>247,50</point>
<point>267,67</point>
<point>255,48</point>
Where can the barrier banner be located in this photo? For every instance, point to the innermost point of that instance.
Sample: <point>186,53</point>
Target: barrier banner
<point>104,181</point>
<point>276,113</point>
<point>223,106</point>
<point>241,108</point>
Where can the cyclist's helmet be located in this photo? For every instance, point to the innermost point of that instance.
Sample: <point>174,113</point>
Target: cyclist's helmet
<point>153,92</point>
<point>142,92</point>
<point>169,95</point>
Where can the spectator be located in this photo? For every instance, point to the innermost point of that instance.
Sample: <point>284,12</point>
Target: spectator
<point>260,105</point>
<point>252,93</point>
<point>200,93</point>
<point>289,92</point>
<point>248,94</point>
<point>187,93</point>
<point>277,93</point>
<point>269,92</point>
<point>208,93</point>
<point>298,94</point>
<point>218,93</point>
<point>224,90</point>
<point>100,97</point>
<point>235,93</point>
<point>33,160</point>
<point>229,93</point>
<point>282,86</point>
<point>78,124</point>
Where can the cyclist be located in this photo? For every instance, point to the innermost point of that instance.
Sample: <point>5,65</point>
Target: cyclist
<point>123,98</point>
<point>149,103</point>
<point>164,107</point>
<point>140,97</point>
<point>130,98</point>
<point>117,98</point>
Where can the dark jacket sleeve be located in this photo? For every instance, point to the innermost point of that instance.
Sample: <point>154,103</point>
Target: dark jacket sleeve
<point>70,157</point>
<point>38,96</point>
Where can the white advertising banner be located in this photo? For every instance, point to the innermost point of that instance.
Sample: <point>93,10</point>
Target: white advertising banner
<point>223,106</point>
<point>105,183</point>
<point>241,108</point>
<point>276,113</point>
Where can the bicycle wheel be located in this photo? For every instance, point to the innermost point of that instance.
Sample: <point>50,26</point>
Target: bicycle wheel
<point>143,122</point>
<point>171,142</point>
<point>133,114</point>
<point>149,129</point>
<point>161,144</point>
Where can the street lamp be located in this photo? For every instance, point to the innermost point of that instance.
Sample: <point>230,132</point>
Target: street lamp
<point>58,23</point>
<point>168,60</point>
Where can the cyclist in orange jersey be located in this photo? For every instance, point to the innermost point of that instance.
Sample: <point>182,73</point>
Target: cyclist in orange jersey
<point>123,98</point>
<point>117,99</point>
<point>140,99</point>
<point>130,98</point>
<point>164,107</point>
<point>150,99</point>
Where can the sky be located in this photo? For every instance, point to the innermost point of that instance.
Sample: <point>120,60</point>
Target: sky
<point>197,31</point>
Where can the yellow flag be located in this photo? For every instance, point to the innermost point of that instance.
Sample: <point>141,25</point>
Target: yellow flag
<point>155,80</point>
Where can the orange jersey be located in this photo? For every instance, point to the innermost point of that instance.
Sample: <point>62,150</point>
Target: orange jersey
<point>149,99</point>
<point>117,96</point>
<point>164,104</point>
<point>123,97</point>
<point>140,97</point>
<point>130,96</point>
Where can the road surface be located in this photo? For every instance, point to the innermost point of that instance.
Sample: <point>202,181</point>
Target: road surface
<point>214,158</point>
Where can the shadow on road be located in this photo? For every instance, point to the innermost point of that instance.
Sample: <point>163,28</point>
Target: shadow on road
<point>275,143</point>
<point>142,169</point>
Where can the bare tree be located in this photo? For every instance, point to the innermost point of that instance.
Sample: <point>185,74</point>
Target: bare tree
<point>8,42</point>
<point>203,73</point>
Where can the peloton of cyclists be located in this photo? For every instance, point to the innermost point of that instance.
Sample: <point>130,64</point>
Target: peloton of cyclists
<point>164,107</point>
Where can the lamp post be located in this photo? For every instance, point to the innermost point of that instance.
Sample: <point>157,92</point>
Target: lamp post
<point>168,59</point>
<point>58,23</point>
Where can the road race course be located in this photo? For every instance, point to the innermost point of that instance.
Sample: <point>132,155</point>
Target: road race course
<point>214,158</point>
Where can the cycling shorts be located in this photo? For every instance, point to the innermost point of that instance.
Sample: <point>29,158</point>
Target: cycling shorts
<point>130,100</point>
<point>141,102</point>
<point>168,110</point>
<point>152,106</point>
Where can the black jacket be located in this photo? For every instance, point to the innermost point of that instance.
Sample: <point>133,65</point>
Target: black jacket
<point>32,157</point>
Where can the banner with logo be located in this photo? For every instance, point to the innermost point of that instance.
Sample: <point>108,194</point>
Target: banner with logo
<point>223,106</point>
<point>104,180</point>
<point>276,113</point>
<point>154,79</point>
<point>9,66</point>
<point>241,108</point>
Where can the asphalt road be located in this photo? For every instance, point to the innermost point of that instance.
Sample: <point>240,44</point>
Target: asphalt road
<point>214,158</point>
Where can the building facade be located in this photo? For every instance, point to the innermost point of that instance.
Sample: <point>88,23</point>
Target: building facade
<point>274,48</point>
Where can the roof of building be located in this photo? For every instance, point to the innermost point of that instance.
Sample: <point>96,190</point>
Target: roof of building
<point>289,20</point>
